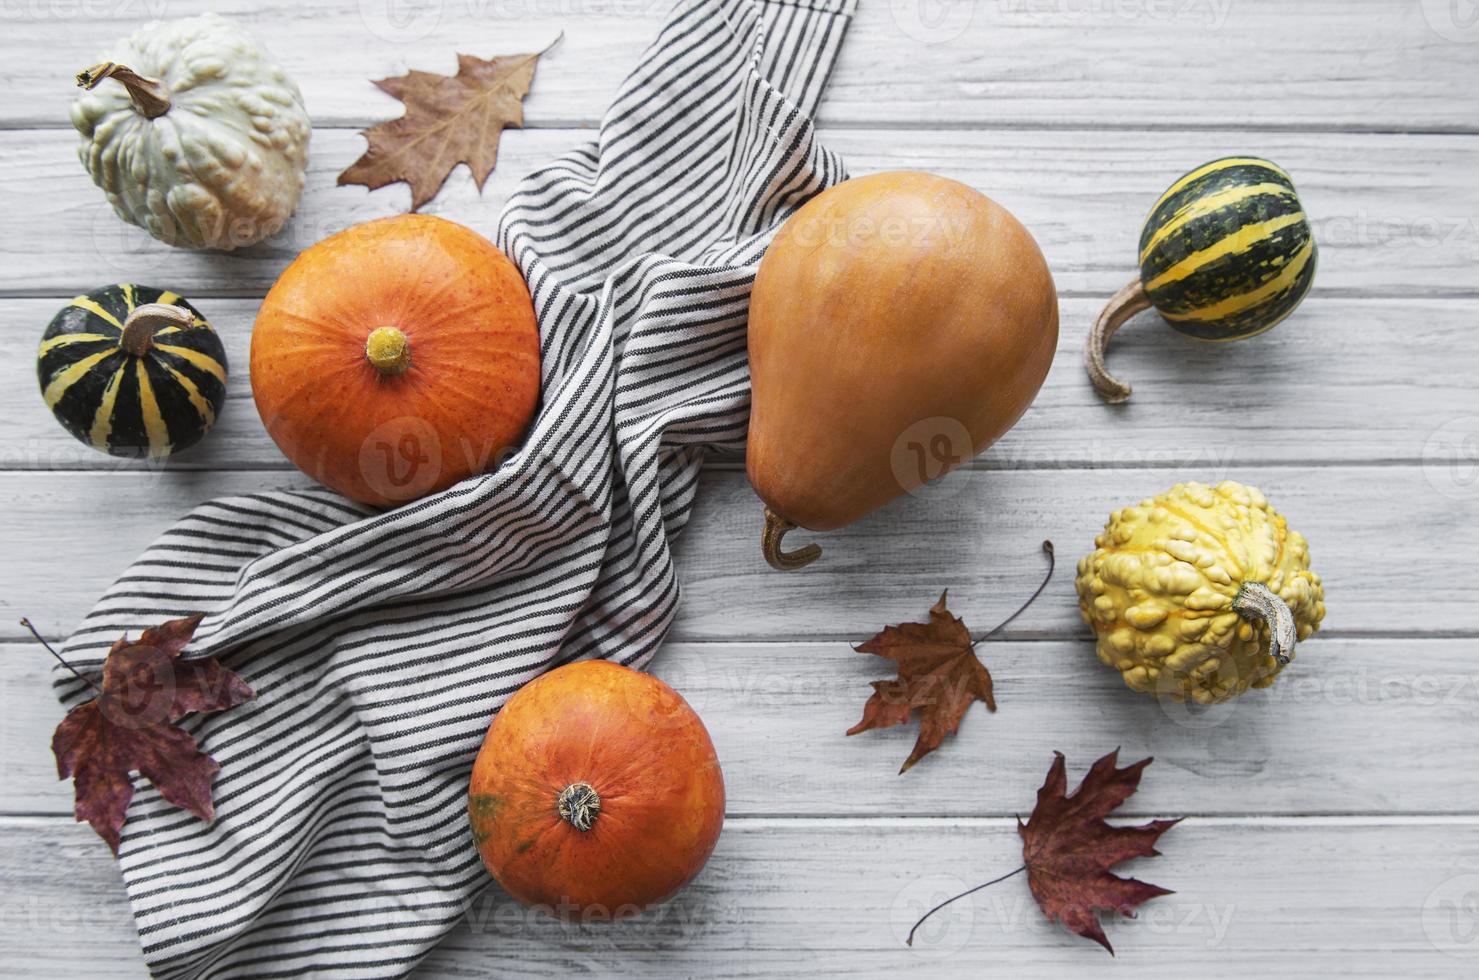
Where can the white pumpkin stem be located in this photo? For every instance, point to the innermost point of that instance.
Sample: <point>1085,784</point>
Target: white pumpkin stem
<point>148,95</point>
<point>1257,601</point>
<point>579,805</point>
<point>776,528</point>
<point>146,320</point>
<point>1125,304</point>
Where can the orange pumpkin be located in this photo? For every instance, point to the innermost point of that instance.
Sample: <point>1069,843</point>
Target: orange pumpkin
<point>397,357</point>
<point>596,792</point>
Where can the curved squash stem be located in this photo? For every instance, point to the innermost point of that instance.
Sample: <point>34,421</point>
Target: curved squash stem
<point>776,527</point>
<point>148,95</point>
<point>139,328</point>
<point>1125,304</point>
<point>1257,601</point>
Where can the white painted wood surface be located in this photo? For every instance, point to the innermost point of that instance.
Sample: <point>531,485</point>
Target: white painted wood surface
<point>835,896</point>
<point>1333,830</point>
<point>1311,64</point>
<point>1394,213</point>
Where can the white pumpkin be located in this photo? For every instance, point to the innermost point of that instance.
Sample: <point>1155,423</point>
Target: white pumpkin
<point>201,137</point>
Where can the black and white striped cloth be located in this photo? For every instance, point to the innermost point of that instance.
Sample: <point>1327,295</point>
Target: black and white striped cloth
<point>380,644</point>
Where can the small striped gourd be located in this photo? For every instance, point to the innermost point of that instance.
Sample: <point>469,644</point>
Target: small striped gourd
<point>1226,253</point>
<point>132,371</point>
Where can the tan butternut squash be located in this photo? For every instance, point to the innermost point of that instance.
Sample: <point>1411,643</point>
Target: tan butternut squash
<point>899,324</point>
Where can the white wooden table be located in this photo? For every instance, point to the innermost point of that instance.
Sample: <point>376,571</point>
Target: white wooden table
<point>1333,821</point>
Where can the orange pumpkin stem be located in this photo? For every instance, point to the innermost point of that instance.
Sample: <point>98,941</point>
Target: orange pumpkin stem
<point>579,804</point>
<point>389,350</point>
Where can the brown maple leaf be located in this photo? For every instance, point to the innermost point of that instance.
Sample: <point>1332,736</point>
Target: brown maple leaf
<point>940,675</point>
<point>1068,849</point>
<point>449,119</point>
<point>145,688</point>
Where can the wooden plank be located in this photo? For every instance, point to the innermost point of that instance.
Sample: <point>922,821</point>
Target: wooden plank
<point>1348,403</point>
<point>1311,898</point>
<point>978,533</point>
<point>70,922</point>
<point>1318,64</point>
<point>1354,727</point>
<point>92,246</point>
<point>1395,215</point>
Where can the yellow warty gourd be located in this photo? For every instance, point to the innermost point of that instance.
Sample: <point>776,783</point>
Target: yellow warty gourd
<point>1199,593</point>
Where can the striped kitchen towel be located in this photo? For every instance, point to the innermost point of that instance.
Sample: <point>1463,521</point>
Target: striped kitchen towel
<point>380,644</point>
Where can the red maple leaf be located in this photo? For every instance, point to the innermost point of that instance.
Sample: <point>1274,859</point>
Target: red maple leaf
<point>1068,848</point>
<point>129,726</point>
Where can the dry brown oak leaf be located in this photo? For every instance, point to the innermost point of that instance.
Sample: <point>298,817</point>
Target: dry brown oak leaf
<point>129,726</point>
<point>1068,848</point>
<point>939,676</point>
<point>449,119</point>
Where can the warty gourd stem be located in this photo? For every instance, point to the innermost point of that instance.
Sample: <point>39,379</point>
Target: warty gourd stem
<point>149,95</point>
<point>1125,304</point>
<point>1257,601</point>
<point>776,527</point>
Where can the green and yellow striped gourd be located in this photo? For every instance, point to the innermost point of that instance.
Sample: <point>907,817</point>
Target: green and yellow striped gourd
<point>1226,253</point>
<point>132,371</point>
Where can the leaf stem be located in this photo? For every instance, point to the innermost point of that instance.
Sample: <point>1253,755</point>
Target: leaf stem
<point>42,640</point>
<point>1047,547</point>
<point>968,891</point>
